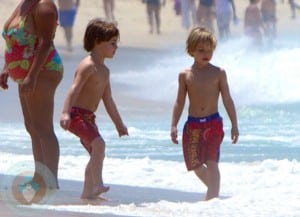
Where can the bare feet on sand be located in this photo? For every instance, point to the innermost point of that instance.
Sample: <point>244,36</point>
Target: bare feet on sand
<point>97,191</point>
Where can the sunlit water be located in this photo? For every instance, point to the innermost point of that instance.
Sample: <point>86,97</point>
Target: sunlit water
<point>265,88</point>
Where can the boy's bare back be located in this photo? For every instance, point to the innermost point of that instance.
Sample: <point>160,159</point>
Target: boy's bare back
<point>94,79</point>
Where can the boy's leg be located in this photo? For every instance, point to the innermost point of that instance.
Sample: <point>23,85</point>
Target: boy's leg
<point>213,180</point>
<point>88,183</point>
<point>201,172</point>
<point>93,176</point>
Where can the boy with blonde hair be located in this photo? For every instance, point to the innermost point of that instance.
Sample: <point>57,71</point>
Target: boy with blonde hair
<point>203,83</point>
<point>90,85</point>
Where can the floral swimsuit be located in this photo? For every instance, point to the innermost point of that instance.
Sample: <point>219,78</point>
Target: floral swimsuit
<point>20,52</point>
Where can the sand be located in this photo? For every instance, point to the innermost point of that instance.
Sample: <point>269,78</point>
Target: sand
<point>132,22</point>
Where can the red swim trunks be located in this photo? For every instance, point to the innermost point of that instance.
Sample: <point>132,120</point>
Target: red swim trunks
<point>83,125</point>
<point>201,140</point>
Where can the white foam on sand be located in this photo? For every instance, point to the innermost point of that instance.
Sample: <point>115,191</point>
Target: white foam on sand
<point>145,187</point>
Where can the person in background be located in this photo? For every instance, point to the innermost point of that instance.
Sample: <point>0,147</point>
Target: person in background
<point>189,14</point>
<point>294,6</point>
<point>268,12</point>
<point>253,23</point>
<point>32,61</point>
<point>225,11</point>
<point>153,8</point>
<point>91,84</point>
<point>109,7</point>
<point>203,133</point>
<point>177,7</point>
<point>67,13</point>
<point>206,14</point>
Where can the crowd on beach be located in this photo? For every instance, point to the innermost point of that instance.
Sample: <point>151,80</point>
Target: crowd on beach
<point>258,18</point>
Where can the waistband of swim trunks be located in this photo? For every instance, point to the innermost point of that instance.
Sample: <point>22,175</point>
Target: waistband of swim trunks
<point>204,119</point>
<point>81,110</point>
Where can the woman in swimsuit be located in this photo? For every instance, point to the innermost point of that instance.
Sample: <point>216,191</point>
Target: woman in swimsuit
<point>33,62</point>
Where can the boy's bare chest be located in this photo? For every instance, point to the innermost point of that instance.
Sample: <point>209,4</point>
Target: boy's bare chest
<point>201,79</point>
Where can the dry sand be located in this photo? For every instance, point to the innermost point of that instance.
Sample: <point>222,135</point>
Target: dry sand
<point>132,22</point>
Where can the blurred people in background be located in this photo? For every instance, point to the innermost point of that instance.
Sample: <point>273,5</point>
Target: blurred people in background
<point>177,7</point>
<point>153,13</point>
<point>67,13</point>
<point>206,14</point>
<point>268,12</point>
<point>253,24</point>
<point>109,7</point>
<point>294,6</point>
<point>225,11</point>
<point>188,13</point>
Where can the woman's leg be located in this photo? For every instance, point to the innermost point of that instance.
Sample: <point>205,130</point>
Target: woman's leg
<point>39,121</point>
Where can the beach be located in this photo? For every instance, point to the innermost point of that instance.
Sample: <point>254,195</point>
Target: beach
<point>132,22</point>
<point>145,171</point>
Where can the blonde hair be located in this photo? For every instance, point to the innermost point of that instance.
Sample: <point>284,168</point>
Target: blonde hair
<point>200,35</point>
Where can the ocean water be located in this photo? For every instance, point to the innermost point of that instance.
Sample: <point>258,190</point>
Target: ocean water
<point>260,176</point>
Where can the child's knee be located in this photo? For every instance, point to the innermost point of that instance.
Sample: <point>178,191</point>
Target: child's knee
<point>98,146</point>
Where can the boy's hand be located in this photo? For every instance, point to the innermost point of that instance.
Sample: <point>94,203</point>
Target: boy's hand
<point>65,121</point>
<point>234,135</point>
<point>174,135</point>
<point>122,130</point>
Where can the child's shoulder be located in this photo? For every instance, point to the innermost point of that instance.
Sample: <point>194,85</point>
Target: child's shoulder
<point>86,65</point>
<point>216,68</point>
<point>217,71</point>
<point>185,71</point>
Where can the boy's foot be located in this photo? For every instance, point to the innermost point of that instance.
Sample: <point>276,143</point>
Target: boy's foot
<point>96,194</point>
<point>100,190</point>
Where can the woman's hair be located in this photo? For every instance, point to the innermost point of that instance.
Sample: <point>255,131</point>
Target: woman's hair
<point>97,31</point>
<point>200,35</point>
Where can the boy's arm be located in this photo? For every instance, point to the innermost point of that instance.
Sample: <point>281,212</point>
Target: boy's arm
<point>178,106</point>
<point>112,111</point>
<point>229,106</point>
<point>80,79</point>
